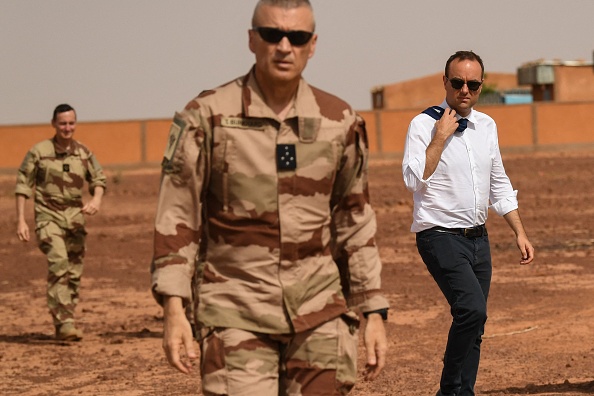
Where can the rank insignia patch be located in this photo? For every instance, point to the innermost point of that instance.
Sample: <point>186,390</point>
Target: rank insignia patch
<point>286,157</point>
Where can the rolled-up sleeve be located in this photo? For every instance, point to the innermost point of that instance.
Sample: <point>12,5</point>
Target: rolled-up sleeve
<point>506,205</point>
<point>502,196</point>
<point>95,177</point>
<point>414,158</point>
<point>26,175</point>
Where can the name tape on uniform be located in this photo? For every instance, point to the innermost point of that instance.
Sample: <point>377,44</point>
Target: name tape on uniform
<point>245,123</point>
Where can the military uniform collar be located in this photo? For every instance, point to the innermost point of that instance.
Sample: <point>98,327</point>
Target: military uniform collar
<point>60,150</point>
<point>305,107</point>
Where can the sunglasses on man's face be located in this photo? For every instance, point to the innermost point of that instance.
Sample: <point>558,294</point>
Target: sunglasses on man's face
<point>274,35</point>
<point>458,84</point>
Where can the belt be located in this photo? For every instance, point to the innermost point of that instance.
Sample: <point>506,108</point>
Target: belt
<point>473,232</point>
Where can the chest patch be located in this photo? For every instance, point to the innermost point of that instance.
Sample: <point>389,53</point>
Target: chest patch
<point>286,157</point>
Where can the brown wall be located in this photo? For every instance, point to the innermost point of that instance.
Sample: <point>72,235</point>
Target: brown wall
<point>429,91</point>
<point>420,92</point>
<point>574,83</point>
<point>114,143</point>
<point>136,143</point>
<point>514,124</point>
<point>533,126</point>
<point>156,139</point>
<point>565,123</point>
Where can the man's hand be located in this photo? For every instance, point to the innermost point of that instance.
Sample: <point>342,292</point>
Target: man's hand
<point>22,227</point>
<point>526,248</point>
<point>444,128</point>
<point>376,346</point>
<point>515,222</point>
<point>177,332</point>
<point>94,205</point>
<point>23,231</point>
<point>446,125</point>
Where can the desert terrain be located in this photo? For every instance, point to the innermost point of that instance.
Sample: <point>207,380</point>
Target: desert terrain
<point>539,337</point>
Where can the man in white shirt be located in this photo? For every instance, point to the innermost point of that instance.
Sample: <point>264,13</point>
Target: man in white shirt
<point>453,167</point>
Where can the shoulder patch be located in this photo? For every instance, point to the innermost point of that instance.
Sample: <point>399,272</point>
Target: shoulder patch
<point>244,123</point>
<point>177,126</point>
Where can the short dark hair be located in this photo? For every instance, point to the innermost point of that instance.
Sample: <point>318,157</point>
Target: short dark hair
<point>62,108</point>
<point>465,55</point>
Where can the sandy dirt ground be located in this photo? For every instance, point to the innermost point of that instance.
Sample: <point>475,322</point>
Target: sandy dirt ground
<point>539,337</point>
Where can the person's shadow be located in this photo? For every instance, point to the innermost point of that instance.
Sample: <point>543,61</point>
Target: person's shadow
<point>547,389</point>
<point>49,339</point>
<point>32,338</point>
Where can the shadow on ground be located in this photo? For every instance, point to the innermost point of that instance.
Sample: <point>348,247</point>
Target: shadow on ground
<point>533,389</point>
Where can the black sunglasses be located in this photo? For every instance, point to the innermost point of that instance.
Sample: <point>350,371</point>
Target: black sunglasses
<point>458,84</point>
<point>274,35</point>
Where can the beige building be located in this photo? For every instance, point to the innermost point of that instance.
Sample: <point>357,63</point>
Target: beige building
<point>558,81</point>
<point>538,81</point>
<point>428,91</point>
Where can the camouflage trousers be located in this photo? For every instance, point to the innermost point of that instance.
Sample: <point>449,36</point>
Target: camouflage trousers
<point>65,250</point>
<point>320,361</point>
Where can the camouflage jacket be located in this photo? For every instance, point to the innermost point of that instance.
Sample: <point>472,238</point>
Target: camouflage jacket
<point>57,176</point>
<point>266,223</point>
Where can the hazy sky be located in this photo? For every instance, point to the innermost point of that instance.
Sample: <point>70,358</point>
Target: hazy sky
<point>141,59</point>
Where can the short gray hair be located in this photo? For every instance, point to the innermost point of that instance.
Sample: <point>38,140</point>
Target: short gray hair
<point>281,4</point>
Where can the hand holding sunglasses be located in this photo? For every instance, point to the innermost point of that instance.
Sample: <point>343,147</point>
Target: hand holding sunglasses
<point>274,35</point>
<point>459,83</point>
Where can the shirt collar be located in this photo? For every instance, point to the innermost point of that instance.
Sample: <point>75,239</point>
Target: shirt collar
<point>470,117</point>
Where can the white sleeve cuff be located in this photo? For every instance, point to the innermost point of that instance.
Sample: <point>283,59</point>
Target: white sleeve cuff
<point>506,205</point>
<point>413,175</point>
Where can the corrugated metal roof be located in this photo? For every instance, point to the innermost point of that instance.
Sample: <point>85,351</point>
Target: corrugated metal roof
<point>557,62</point>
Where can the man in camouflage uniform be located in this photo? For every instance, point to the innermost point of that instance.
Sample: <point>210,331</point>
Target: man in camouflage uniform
<point>56,169</point>
<point>264,224</point>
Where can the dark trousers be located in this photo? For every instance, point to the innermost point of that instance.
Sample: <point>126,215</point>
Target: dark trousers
<point>461,267</point>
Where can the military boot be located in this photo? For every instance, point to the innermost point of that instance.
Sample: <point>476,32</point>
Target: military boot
<point>68,332</point>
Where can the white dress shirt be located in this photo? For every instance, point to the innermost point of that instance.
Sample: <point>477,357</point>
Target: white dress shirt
<point>469,175</point>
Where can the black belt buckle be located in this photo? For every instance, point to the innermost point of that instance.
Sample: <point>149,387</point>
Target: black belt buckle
<point>474,232</point>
